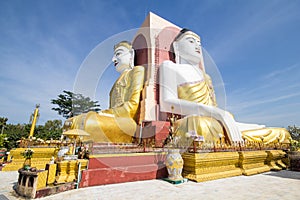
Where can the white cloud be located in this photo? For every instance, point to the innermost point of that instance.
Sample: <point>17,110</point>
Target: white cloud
<point>280,71</point>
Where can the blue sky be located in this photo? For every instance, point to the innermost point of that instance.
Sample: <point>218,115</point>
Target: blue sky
<point>255,45</point>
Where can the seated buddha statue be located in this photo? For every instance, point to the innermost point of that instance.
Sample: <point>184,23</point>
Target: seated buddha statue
<point>186,89</point>
<point>118,123</point>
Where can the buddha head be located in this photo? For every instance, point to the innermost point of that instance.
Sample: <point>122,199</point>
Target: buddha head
<point>123,56</point>
<point>187,47</point>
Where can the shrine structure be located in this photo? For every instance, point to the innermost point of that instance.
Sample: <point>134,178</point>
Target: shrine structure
<point>202,161</point>
<point>146,157</point>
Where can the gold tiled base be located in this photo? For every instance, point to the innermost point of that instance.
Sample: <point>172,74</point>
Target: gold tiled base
<point>213,176</point>
<point>253,162</point>
<point>210,166</point>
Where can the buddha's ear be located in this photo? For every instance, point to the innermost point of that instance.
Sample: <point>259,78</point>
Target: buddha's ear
<point>176,52</point>
<point>132,58</point>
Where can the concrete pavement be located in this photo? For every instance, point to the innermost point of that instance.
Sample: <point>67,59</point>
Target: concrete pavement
<point>271,185</point>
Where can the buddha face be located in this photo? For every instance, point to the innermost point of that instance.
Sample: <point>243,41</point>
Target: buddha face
<point>122,58</point>
<point>189,48</point>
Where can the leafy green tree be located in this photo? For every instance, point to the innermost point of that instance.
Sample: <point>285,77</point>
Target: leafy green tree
<point>295,132</point>
<point>3,139</point>
<point>71,104</point>
<point>3,121</point>
<point>51,129</point>
<point>14,133</point>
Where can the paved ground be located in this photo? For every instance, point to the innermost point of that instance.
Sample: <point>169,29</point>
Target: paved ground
<point>271,185</point>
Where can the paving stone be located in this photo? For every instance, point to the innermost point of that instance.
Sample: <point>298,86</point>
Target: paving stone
<point>271,185</point>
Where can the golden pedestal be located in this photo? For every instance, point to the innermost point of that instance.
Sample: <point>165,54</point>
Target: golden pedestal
<point>71,170</point>
<point>274,159</point>
<point>253,162</point>
<point>51,173</point>
<point>210,166</point>
<point>67,170</point>
<point>42,179</point>
<point>62,167</point>
<point>84,165</point>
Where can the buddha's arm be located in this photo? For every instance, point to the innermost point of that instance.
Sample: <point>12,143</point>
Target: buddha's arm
<point>129,107</point>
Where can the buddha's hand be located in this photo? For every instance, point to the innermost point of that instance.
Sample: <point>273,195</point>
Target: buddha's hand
<point>68,124</point>
<point>76,122</point>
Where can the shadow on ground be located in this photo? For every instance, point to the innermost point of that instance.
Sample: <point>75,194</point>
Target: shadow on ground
<point>285,174</point>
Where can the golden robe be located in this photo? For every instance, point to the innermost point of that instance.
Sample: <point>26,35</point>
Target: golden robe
<point>267,135</point>
<point>210,128</point>
<point>118,123</point>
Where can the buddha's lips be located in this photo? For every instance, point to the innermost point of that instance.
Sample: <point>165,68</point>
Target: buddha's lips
<point>116,63</point>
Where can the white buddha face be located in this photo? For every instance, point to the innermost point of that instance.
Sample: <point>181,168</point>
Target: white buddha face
<point>122,58</point>
<point>189,48</point>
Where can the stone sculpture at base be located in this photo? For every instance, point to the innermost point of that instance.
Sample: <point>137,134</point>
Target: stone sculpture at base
<point>118,123</point>
<point>186,89</point>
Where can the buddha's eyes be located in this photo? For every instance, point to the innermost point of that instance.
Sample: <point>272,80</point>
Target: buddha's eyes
<point>193,40</point>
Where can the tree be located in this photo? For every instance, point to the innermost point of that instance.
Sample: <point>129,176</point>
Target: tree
<point>51,130</point>
<point>3,121</point>
<point>71,104</point>
<point>14,132</point>
<point>294,131</point>
<point>3,139</point>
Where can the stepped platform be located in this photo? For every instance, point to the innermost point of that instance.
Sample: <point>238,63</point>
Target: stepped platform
<point>274,160</point>
<point>119,163</point>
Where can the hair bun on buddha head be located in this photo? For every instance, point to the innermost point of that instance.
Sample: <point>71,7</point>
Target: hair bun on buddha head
<point>123,43</point>
<point>185,31</point>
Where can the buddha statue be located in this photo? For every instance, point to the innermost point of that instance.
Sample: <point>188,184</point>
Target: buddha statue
<point>186,89</point>
<point>118,123</point>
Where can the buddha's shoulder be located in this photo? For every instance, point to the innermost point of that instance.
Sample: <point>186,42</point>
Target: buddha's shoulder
<point>138,69</point>
<point>168,63</point>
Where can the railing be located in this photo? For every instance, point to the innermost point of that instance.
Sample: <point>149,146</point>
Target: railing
<point>236,146</point>
<point>196,147</point>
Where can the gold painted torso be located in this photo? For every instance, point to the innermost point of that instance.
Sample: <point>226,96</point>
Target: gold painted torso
<point>119,90</point>
<point>125,94</point>
<point>199,92</point>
